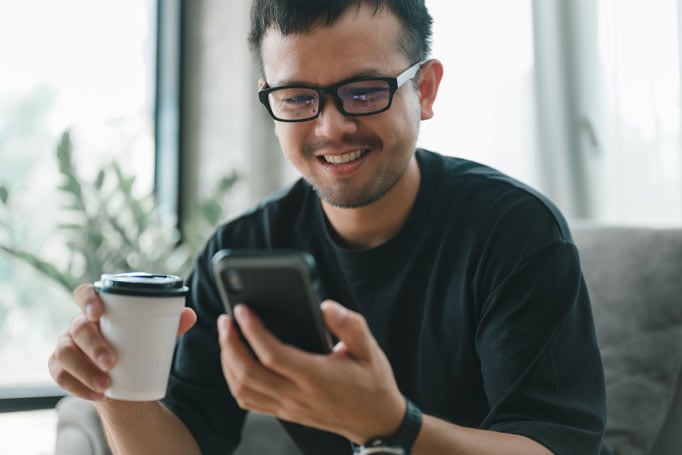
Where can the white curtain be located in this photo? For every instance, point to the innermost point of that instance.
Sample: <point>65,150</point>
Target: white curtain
<point>578,98</point>
<point>608,97</point>
<point>485,109</point>
<point>638,173</point>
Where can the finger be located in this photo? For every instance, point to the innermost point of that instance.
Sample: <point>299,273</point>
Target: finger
<point>88,337</point>
<point>75,387</point>
<point>350,328</point>
<point>275,355</point>
<point>254,401</point>
<point>88,300</point>
<point>70,366</point>
<point>340,348</point>
<point>231,344</point>
<point>243,372</point>
<point>187,319</point>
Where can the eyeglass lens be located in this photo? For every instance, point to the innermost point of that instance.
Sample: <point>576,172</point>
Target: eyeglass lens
<point>360,97</point>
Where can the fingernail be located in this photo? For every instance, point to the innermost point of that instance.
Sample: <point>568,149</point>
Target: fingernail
<point>101,384</point>
<point>90,311</point>
<point>339,346</point>
<point>222,325</point>
<point>240,313</point>
<point>337,312</point>
<point>104,360</point>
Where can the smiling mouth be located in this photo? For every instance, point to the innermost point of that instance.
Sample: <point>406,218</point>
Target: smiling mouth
<point>345,158</point>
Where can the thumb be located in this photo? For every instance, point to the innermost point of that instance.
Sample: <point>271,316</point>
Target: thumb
<point>187,319</point>
<point>349,327</point>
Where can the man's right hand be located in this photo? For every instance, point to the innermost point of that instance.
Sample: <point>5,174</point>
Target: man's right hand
<point>82,358</point>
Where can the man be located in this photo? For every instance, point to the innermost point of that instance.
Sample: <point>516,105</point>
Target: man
<point>464,325</point>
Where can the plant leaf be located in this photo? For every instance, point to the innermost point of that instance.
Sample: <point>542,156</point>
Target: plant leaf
<point>4,194</point>
<point>70,227</point>
<point>43,267</point>
<point>71,184</point>
<point>142,218</point>
<point>100,180</point>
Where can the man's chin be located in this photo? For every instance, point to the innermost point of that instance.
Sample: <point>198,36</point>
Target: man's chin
<point>348,199</point>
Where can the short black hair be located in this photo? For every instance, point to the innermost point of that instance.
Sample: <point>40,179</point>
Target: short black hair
<point>300,16</point>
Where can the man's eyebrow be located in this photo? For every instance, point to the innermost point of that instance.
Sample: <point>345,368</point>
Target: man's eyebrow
<point>364,73</point>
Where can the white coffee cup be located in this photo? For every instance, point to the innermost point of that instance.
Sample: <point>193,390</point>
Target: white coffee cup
<point>140,321</point>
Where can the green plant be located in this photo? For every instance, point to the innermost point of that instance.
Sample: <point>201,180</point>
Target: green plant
<point>112,230</point>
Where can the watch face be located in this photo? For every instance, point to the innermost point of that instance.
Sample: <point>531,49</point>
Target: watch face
<point>382,450</point>
<point>398,444</point>
<point>380,447</point>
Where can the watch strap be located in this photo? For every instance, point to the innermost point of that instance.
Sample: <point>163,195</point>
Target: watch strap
<point>409,428</point>
<point>402,441</point>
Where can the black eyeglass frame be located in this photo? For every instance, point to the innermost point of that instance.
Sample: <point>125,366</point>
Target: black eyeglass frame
<point>394,83</point>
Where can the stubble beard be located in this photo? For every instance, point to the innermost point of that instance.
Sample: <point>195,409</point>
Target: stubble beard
<point>348,196</point>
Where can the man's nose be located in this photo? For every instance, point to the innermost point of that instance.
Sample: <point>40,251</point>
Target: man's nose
<point>331,120</point>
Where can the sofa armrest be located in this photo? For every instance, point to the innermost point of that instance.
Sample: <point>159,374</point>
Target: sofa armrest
<point>79,432</point>
<point>633,276</point>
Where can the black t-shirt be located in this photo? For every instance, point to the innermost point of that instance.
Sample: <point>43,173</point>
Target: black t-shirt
<point>478,302</point>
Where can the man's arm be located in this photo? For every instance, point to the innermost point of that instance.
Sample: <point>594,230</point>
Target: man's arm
<point>144,427</point>
<point>439,436</point>
<point>351,392</point>
<point>80,365</point>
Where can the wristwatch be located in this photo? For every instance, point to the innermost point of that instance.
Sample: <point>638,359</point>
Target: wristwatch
<point>401,442</point>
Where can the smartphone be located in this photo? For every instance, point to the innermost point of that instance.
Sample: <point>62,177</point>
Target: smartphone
<point>281,287</point>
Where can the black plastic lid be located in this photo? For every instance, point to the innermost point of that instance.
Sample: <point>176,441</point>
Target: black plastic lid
<point>141,283</point>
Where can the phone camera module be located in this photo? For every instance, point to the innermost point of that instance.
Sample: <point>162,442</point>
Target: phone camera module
<point>234,281</point>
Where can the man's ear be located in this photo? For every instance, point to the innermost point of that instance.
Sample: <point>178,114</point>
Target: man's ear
<point>430,76</point>
<point>261,83</point>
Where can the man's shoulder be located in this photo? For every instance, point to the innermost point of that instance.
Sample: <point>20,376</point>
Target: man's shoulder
<point>462,174</point>
<point>459,171</point>
<point>487,194</point>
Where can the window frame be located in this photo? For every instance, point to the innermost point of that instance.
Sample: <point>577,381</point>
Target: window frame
<point>170,36</point>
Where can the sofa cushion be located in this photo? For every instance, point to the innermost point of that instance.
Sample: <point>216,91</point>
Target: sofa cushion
<point>79,430</point>
<point>263,434</point>
<point>634,279</point>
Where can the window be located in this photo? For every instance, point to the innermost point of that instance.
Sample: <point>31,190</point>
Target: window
<point>638,170</point>
<point>485,106</point>
<point>579,99</point>
<point>83,66</point>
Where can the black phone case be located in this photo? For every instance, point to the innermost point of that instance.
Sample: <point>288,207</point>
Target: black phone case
<point>281,287</point>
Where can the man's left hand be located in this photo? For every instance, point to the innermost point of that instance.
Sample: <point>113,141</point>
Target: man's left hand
<point>351,391</point>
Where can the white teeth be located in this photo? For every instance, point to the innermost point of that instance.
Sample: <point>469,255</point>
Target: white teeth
<point>341,159</point>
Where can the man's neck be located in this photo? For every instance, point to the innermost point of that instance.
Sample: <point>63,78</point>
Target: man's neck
<point>372,225</point>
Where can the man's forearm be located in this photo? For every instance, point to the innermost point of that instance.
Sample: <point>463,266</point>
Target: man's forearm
<point>143,428</point>
<point>439,436</point>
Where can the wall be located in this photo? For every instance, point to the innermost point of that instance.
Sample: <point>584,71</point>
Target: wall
<point>225,128</point>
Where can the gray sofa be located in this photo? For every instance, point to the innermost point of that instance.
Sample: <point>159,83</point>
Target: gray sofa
<point>634,276</point>
<point>635,281</point>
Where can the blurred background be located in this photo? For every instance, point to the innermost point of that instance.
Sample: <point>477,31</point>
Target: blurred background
<point>130,129</point>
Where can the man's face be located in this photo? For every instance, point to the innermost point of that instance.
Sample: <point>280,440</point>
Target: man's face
<point>351,161</point>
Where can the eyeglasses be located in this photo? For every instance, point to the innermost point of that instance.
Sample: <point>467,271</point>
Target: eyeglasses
<point>354,97</point>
